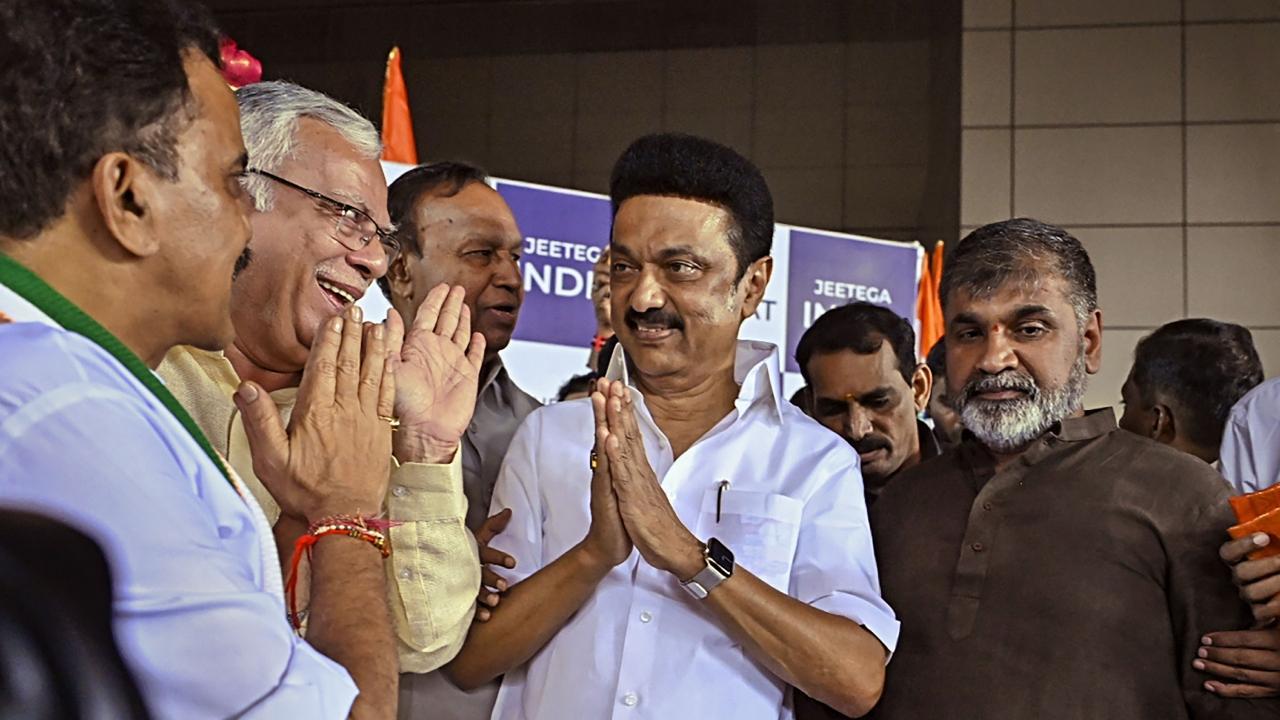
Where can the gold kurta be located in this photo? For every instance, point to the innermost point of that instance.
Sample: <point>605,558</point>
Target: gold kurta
<point>434,569</point>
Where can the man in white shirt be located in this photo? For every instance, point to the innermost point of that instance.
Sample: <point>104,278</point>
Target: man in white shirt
<point>688,544</point>
<point>1250,454</point>
<point>125,221</point>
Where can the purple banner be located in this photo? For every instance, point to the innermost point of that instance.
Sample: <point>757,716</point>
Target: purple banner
<point>563,234</point>
<point>828,271</point>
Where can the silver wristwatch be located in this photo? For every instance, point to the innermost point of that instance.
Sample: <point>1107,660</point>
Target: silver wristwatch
<point>719,568</point>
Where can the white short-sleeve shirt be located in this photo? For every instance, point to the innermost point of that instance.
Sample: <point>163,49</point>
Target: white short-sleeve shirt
<point>197,609</point>
<point>1250,456</point>
<point>792,513</point>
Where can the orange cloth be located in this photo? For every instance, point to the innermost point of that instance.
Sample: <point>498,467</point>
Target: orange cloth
<point>397,125</point>
<point>1258,512</point>
<point>928,304</point>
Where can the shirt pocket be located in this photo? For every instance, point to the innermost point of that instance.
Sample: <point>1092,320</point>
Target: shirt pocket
<point>760,529</point>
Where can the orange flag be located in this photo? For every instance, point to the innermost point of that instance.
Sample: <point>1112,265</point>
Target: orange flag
<point>928,304</point>
<point>397,125</point>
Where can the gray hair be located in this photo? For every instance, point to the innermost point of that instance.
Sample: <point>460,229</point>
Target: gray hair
<point>1025,251</point>
<point>269,114</point>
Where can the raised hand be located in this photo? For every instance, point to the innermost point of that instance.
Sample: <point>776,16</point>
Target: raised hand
<point>334,457</point>
<point>651,522</point>
<point>437,375</point>
<point>606,539</point>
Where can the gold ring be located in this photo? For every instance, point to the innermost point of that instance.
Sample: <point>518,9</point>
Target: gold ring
<point>595,460</point>
<point>391,420</point>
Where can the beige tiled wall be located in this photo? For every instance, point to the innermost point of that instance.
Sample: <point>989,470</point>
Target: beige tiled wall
<point>1151,130</point>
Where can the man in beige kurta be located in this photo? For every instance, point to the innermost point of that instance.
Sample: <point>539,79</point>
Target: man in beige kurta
<point>321,237</point>
<point>434,570</point>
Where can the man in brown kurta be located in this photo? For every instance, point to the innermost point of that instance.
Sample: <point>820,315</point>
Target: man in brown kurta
<point>1051,566</point>
<point>1074,583</point>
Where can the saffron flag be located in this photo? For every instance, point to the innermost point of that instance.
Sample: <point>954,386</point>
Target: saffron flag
<point>928,304</point>
<point>397,125</point>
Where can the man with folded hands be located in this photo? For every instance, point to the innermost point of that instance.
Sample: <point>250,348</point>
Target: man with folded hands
<point>687,542</point>
<point>321,237</point>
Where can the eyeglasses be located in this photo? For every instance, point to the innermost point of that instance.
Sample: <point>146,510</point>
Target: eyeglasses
<point>355,229</point>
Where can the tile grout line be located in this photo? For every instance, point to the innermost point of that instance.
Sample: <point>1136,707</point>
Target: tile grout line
<point>1127,25</point>
<point>1186,270</point>
<point>1013,105</point>
<point>844,135</point>
<point>1110,125</point>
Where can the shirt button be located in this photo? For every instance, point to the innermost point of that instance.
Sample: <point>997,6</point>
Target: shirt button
<point>977,547</point>
<point>645,616</point>
<point>399,491</point>
<point>406,573</point>
<point>986,506</point>
<point>630,699</point>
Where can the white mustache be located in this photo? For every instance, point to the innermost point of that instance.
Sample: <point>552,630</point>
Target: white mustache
<point>1007,380</point>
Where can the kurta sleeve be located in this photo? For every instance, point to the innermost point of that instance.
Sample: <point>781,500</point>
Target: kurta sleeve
<point>434,569</point>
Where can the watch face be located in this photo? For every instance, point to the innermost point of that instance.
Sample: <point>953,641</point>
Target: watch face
<point>720,555</point>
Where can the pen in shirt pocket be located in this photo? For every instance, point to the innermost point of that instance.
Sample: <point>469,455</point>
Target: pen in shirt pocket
<point>723,485</point>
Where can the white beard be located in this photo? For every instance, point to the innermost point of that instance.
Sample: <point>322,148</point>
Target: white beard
<point>1009,425</point>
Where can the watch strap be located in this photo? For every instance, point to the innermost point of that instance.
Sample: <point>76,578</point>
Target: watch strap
<point>707,579</point>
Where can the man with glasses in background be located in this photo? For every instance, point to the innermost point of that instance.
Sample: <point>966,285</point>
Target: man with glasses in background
<point>321,237</point>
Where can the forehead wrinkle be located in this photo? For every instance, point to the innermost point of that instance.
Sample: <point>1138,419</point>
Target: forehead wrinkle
<point>1030,292</point>
<point>489,229</point>
<point>493,239</point>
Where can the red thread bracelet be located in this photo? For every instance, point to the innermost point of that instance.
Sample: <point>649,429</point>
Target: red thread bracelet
<point>352,526</point>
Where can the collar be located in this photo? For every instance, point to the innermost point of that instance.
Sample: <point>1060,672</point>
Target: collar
<point>64,314</point>
<point>1094,423</point>
<point>929,445</point>
<point>755,370</point>
<point>217,368</point>
<point>495,373</point>
<point>19,310</point>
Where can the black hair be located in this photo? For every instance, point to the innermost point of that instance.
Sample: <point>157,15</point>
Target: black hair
<point>937,360</point>
<point>801,398</point>
<point>1201,366</point>
<point>1020,250</point>
<point>861,327</point>
<point>685,166</point>
<point>577,383</point>
<point>83,78</point>
<point>439,179</point>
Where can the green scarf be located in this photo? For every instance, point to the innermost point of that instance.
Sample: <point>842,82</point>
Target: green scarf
<point>64,312</point>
